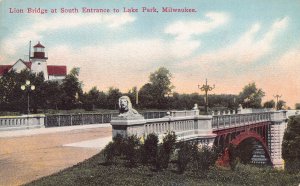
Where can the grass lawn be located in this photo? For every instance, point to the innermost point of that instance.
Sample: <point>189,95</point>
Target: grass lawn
<point>94,172</point>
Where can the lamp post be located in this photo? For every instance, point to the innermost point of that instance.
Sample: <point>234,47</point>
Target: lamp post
<point>206,88</point>
<point>277,97</point>
<point>28,87</point>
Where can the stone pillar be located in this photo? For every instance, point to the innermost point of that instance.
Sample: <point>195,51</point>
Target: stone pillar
<point>127,127</point>
<point>275,137</point>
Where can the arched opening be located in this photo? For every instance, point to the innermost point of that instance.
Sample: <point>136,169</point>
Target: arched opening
<point>251,148</point>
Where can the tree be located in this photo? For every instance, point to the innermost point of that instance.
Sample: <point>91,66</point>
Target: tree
<point>281,105</point>
<point>71,90</point>
<point>251,97</point>
<point>155,93</point>
<point>269,104</point>
<point>290,144</point>
<point>297,106</point>
<point>112,98</point>
<point>91,99</point>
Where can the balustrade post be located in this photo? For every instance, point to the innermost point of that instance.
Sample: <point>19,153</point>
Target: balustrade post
<point>71,119</point>
<point>59,120</point>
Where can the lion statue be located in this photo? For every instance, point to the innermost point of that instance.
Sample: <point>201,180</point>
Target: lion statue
<point>125,108</point>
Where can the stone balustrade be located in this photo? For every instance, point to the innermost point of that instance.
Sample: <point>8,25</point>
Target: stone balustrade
<point>21,122</point>
<point>192,127</point>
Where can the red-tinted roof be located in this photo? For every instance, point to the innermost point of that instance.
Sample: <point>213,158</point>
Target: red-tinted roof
<point>57,70</point>
<point>28,64</point>
<point>38,45</point>
<point>4,69</point>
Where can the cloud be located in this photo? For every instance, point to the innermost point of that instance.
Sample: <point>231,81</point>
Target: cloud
<point>248,48</point>
<point>184,30</point>
<point>41,24</point>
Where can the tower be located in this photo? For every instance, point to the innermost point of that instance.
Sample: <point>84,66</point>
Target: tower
<point>39,60</point>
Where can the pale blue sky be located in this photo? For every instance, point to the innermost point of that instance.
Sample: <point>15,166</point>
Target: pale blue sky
<point>229,42</point>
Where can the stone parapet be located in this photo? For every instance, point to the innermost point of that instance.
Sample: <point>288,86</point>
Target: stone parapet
<point>22,122</point>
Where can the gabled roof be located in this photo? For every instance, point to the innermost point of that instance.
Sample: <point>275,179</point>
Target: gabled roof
<point>57,70</point>
<point>38,45</point>
<point>4,69</point>
<point>28,64</point>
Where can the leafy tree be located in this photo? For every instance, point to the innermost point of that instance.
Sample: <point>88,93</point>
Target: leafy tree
<point>91,99</point>
<point>290,144</point>
<point>112,98</point>
<point>132,94</point>
<point>251,96</point>
<point>71,90</point>
<point>281,105</point>
<point>297,106</point>
<point>269,104</point>
<point>157,90</point>
<point>146,98</point>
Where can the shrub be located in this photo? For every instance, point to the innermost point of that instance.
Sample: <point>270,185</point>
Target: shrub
<point>233,156</point>
<point>131,150</point>
<point>109,153</point>
<point>290,145</point>
<point>167,149</point>
<point>184,156</point>
<point>206,158</point>
<point>119,142</point>
<point>149,149</point>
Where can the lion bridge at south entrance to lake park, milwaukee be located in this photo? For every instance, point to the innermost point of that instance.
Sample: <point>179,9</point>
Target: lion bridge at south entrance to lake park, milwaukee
<point>265,128</point>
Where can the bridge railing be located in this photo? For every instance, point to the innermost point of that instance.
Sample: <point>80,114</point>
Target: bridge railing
<point>21,122</point>
<point>237,120</point>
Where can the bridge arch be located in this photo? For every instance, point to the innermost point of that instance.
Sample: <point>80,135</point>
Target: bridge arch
<point>251,134</point>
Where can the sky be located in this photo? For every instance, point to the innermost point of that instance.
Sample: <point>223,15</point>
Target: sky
<point>231,43</point>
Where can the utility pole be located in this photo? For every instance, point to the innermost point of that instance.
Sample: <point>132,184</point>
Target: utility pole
<point>277,97</point>
<point>206,88</point>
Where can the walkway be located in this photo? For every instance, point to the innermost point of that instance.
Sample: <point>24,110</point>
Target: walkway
<point>27,155</point>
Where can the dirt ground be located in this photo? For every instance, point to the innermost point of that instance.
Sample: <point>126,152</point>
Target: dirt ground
<point>27,158</point>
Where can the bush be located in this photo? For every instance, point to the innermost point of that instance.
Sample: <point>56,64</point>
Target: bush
<point>290,145</point>
<point>167,149</point>
<point>109,153</point>
<point>206,158</point>
<point>233,156</point>
<point>184,156</point>
<point>149,149</point>
<point>119,142</point>
<point>132,150</point>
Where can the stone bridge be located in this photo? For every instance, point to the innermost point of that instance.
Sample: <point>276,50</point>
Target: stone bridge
<point>266,128</point>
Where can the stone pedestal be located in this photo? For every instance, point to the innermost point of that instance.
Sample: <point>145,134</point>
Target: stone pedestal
<point>275,138</point>
<point>128,126</point>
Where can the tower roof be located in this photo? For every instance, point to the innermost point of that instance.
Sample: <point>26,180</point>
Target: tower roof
<point>39,45</point>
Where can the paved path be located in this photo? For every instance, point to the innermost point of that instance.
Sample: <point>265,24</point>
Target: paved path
<point>27,155</point>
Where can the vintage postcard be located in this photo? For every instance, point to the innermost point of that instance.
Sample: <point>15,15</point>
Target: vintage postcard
<point>77,57</point>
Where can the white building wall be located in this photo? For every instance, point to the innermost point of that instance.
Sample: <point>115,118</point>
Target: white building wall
<point>19,66</point>
<point>39,65</point>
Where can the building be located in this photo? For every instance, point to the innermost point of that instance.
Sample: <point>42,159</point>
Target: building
<point>37,64</point>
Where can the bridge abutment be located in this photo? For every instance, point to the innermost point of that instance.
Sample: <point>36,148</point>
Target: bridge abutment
<point>275,137</point>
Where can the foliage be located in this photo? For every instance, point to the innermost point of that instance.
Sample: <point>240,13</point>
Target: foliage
<point>281,105</point>
<point>113,96</point>
<point>131,150</point>
<point>157,89</point>
<point>269,104</point>
<point>149,149</point>
<point>71,90</point>
<point>168,147</point>
<point>184,154</point>
<point>233,156</point>
<point>251,97</point>
<point>206,157</point>
<point>297,106</point>
<point>109,153</point>
<point>290,144</point>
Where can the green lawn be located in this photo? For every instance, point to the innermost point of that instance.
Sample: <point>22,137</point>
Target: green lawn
<point>94,172</point>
